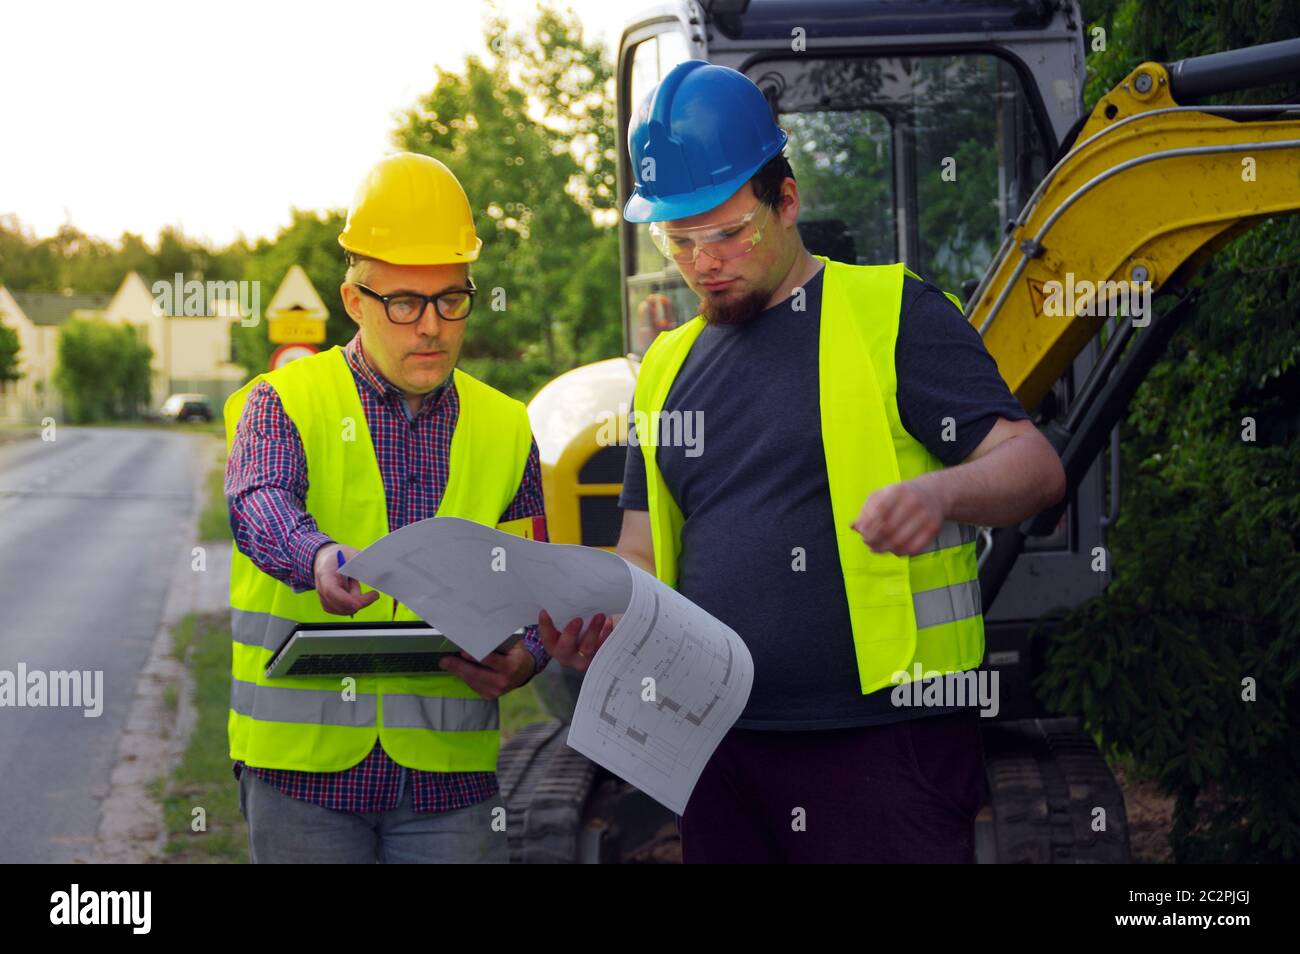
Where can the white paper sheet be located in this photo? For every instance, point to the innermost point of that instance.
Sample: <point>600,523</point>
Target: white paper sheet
<point>668,684</point>
<point>657,699</point>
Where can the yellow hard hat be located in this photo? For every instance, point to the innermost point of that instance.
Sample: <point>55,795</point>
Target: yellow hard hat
<point>410,210</point>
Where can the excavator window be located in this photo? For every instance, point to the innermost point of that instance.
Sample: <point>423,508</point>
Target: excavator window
<point>921,159</point>
<point>657,299</point>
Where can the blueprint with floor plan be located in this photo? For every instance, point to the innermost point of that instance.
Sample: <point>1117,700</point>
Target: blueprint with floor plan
<point>663,690</point>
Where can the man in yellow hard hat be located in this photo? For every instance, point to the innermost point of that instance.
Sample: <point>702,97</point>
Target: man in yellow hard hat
<point>327,455</point>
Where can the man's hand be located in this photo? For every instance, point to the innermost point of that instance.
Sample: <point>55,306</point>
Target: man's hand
<point>497,674</point>
<point>901,518</point>
<point>572,646</point>
<point>340,595</point>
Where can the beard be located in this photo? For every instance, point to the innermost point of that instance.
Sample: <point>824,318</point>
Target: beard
<point>733,309</point>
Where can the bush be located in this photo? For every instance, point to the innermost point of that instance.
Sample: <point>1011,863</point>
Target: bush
<point>103,371</point>
<point>1190,661</point>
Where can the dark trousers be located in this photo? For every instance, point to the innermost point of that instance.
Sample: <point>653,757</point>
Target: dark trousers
<point>902,792</point>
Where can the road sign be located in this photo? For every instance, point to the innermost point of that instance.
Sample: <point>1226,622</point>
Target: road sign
<point>295,314</point>
<point>296,298</point>
<point>291,330</point>
<point>290,352</point>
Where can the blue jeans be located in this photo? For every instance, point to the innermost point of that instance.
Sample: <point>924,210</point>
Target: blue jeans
<point>287,830</point>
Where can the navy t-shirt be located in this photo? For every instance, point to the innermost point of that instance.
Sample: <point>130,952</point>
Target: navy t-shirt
<point>754,488</point>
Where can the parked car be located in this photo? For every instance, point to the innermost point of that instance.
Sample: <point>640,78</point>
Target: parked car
<point>186,407</point>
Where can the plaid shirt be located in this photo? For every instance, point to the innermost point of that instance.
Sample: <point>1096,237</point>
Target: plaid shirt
<point>266,486</point>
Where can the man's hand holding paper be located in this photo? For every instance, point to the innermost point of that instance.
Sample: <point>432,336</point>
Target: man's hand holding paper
<point>575,646</point>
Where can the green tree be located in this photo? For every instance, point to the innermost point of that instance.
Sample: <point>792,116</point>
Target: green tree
<point>528,133</point>
<point>310,240</point>
<point>8,354</point>
<point>103,371</point>
<point>72,259</point>
<point>1206,556</point>
<point>25,263</point>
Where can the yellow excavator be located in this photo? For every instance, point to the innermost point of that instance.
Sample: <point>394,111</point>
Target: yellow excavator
<point>952,136</point>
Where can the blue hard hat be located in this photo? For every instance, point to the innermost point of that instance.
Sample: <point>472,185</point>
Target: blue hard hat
<point>708,129</point>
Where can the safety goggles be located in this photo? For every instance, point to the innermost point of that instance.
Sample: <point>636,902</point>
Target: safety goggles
<point>721,241</point>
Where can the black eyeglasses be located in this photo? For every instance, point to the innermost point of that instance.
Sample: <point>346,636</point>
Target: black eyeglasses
<point>406,308</point>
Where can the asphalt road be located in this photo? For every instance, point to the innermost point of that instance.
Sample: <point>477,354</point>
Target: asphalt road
<point>91,526</point>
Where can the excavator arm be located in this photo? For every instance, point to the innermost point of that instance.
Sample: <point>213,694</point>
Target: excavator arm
<point>1145,195</point>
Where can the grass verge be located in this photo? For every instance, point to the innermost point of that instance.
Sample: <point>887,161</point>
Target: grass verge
<point>203,779</point>
<point>214,521</point>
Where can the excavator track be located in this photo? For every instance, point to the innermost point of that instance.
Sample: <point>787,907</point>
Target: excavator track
<point>1050,791</point>
<point>545,785</point>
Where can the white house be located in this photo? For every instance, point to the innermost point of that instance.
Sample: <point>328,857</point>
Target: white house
<point>37,318</point>
<point>191,353</point>
<point>191,336</point>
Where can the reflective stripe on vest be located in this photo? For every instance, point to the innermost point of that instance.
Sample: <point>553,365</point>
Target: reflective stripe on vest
<point>905,611</point>
<point>951,602</point>
<point>432,721</point>
<point>260,629</point>
<point>328,707</point>
<point>946,604</point>
<point>440,714</point>
<point>951,535</point>
<point>313,706</point>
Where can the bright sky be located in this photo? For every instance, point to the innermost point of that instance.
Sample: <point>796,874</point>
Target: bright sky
<point>219,118</point>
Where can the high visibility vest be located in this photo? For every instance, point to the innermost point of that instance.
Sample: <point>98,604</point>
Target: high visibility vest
<point>905,611</point>
<point>433,722</point>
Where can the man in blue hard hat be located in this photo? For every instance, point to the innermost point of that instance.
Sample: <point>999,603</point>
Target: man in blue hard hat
<point>858,433</point>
